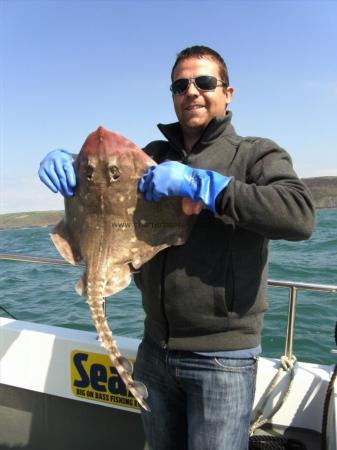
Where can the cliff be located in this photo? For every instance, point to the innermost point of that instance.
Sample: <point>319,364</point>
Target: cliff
<point>324,191</point>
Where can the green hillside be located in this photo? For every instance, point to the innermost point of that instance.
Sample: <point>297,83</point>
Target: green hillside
<point>30,219</point>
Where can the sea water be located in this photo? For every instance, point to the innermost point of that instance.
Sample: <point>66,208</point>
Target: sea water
<point>45,293</point>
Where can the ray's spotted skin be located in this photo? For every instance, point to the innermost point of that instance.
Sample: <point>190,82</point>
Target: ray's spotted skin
<point>111,228</point>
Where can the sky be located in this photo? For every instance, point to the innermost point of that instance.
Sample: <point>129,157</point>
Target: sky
<point>67,67</point>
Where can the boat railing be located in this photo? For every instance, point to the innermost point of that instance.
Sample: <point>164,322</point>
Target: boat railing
<point>292,286</point>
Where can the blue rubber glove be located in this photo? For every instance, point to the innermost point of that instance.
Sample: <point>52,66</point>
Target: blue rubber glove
<point>172,178</point>
<point>57,172</point>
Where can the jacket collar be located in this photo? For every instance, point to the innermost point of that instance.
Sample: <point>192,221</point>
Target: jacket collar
<point>217,126</point>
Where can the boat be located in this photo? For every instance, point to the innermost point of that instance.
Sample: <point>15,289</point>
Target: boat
<point>59,391</point>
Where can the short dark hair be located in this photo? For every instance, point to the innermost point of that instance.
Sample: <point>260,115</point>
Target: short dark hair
<point>200,51</point>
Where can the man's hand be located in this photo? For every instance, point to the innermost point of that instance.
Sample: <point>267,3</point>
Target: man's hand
<point>57,172</point>
<point>175,179</point>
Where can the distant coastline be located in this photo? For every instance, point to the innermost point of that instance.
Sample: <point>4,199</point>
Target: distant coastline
<point>30,219</point>
<point>323,189</point>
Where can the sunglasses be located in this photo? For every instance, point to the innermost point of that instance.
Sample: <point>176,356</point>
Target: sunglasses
<point>202,83</point>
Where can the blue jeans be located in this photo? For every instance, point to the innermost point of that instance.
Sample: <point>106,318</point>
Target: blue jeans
<point>197,402</point>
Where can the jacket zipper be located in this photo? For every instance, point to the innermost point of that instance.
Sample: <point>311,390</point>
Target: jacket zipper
<point>184,160</point>
<point>162,298</point>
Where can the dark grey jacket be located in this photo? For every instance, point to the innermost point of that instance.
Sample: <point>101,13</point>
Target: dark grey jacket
<point>210,294</point>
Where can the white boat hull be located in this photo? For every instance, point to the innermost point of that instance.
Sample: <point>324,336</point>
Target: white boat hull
<point>71,365</point>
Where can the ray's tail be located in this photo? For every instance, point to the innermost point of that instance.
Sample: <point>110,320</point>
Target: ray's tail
<point>124,368</point>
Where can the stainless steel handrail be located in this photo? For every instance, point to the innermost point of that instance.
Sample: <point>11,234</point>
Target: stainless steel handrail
<point>303,285</point>
<point>34,259</point>
<point>293,286</point>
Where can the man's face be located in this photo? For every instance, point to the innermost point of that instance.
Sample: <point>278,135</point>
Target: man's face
<point>195,109</point>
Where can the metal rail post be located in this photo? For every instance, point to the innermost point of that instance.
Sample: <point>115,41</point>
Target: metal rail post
<point>288,351</point>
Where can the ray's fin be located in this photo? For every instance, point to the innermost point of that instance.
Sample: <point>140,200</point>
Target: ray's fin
<point>139,391</point>
<point>140,388</point>
<point>80,287</point>
<point>126,364</point>
<point>64,244</point>
<point>119,279</point>
<point>144,405</point>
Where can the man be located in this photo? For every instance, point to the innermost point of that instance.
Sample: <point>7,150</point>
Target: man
<point>204,301</point>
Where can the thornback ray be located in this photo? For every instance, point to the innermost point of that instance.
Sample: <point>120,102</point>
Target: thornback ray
<point>113,230</point>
